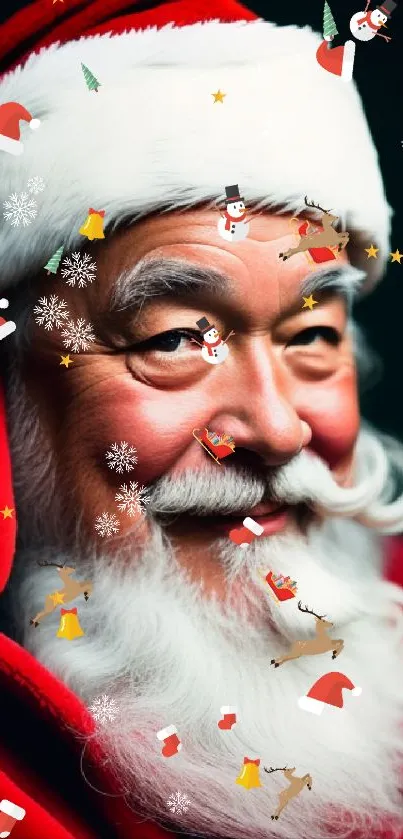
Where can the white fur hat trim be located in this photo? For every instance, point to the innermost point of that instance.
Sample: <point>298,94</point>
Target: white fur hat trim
<point>153,137</point>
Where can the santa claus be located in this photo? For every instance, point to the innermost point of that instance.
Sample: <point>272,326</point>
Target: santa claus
<point>116,733</point>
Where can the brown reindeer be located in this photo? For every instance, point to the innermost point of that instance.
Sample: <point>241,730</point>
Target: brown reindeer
<point>71,589</point>
<point>322,643</point>
<point>296,786</point>
<point>314,238</point>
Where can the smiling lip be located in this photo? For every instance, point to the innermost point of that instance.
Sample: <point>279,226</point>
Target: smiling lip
<point>272,517</point>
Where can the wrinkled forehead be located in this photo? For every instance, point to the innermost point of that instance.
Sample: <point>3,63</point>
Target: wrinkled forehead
<point>181,255</point>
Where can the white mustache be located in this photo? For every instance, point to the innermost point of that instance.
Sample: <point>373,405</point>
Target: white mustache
<point>305,479</point>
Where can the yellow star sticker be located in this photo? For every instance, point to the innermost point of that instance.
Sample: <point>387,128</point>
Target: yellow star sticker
<point>371,251</point>
<point>218,96</point>
<point>66,360</point>
<point>309,302</point>
<point>7,512</point>
<point>57,597</point>
<point>396,256</point>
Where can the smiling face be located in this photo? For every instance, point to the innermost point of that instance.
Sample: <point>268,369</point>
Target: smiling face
<point>378,17</point>
<point>289,381</point>
<point>236,209</point>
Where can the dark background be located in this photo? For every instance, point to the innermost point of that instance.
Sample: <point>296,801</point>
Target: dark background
<point>378,72</point>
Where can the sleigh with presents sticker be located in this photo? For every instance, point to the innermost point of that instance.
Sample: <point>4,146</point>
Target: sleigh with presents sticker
<point>217,446</point>
<point>281,588</point>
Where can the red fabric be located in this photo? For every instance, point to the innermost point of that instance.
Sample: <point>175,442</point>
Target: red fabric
<point>43,23</point>
<point>92,212</point>
<point>8,525</point>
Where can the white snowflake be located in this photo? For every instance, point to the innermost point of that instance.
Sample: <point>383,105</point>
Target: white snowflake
<point>79,269</point>
<point>51,313</point>
<point>107,524</point>
<point>178,802</point>
<point>36,185</point>
<point>104,709</point>
<point>132,499</point>
<point>20,209</point>
<point>121,457</point>
<point>78,335</point>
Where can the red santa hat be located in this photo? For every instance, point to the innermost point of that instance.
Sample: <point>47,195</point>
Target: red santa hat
<point>10,115</point>
<point>327,691</point>
<point>137,147</point>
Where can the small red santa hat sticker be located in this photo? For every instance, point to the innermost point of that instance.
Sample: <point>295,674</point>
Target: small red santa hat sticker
<point>10,115</point>
<point>339,60</point>
<point>6,326</point>
<point>327,691</point>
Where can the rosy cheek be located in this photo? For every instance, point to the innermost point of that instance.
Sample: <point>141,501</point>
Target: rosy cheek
<point>158,423</point>
<point>333,416</point>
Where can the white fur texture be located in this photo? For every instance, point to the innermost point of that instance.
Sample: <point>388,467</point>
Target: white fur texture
<point>152,137</point>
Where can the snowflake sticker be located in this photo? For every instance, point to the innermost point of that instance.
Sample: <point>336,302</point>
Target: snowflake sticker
<point>79,269</point>
<point>107,524</point>
<point>20,209</point>
<point>51,312</point>
<point>35,185</point>
<point>78,335</point>
<point>104,709</point>
<point>121,457</point>
<point>178,802</point>
<point>132,499</point>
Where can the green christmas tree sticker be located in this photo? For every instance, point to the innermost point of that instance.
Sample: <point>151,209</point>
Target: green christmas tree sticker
<point>90,80</point>
<point>54,262</point>
<point>329,26</point>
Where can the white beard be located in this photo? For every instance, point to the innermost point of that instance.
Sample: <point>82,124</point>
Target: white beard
<point>168,655</point>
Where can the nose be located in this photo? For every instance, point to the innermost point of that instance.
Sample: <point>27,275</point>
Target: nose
<point>259,411</point>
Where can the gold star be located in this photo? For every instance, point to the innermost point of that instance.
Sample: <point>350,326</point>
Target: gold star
<point>7,512</point>
<point>66,360</point>
<point>219,96</point>
<point>57,597</point>
<point>309,302</point>
<point>396,256</point>
<point>371,251</point>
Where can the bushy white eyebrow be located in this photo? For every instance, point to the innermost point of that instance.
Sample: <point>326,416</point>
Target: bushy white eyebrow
<point>343,280</point>
<point>154,278</point>
<point>164,277</point>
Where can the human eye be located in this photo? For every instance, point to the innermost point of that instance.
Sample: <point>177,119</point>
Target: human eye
<point>315,335</point>
<point>171,341</point>
<point>167,359</point>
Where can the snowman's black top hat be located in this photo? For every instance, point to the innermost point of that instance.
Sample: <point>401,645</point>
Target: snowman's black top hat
<point>232,192</point>
<point>387,7</point>
<point>204,325</point>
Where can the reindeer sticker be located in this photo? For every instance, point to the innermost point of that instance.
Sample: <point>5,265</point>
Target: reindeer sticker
<point>295,787</point>
<point>71,589</point>
<point>313,239</point>
<point>322,643</point>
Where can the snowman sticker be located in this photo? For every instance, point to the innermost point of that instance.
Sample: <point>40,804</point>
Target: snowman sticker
<point>213,349</point>
<point>366,25</point>
<point>232,225</point>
